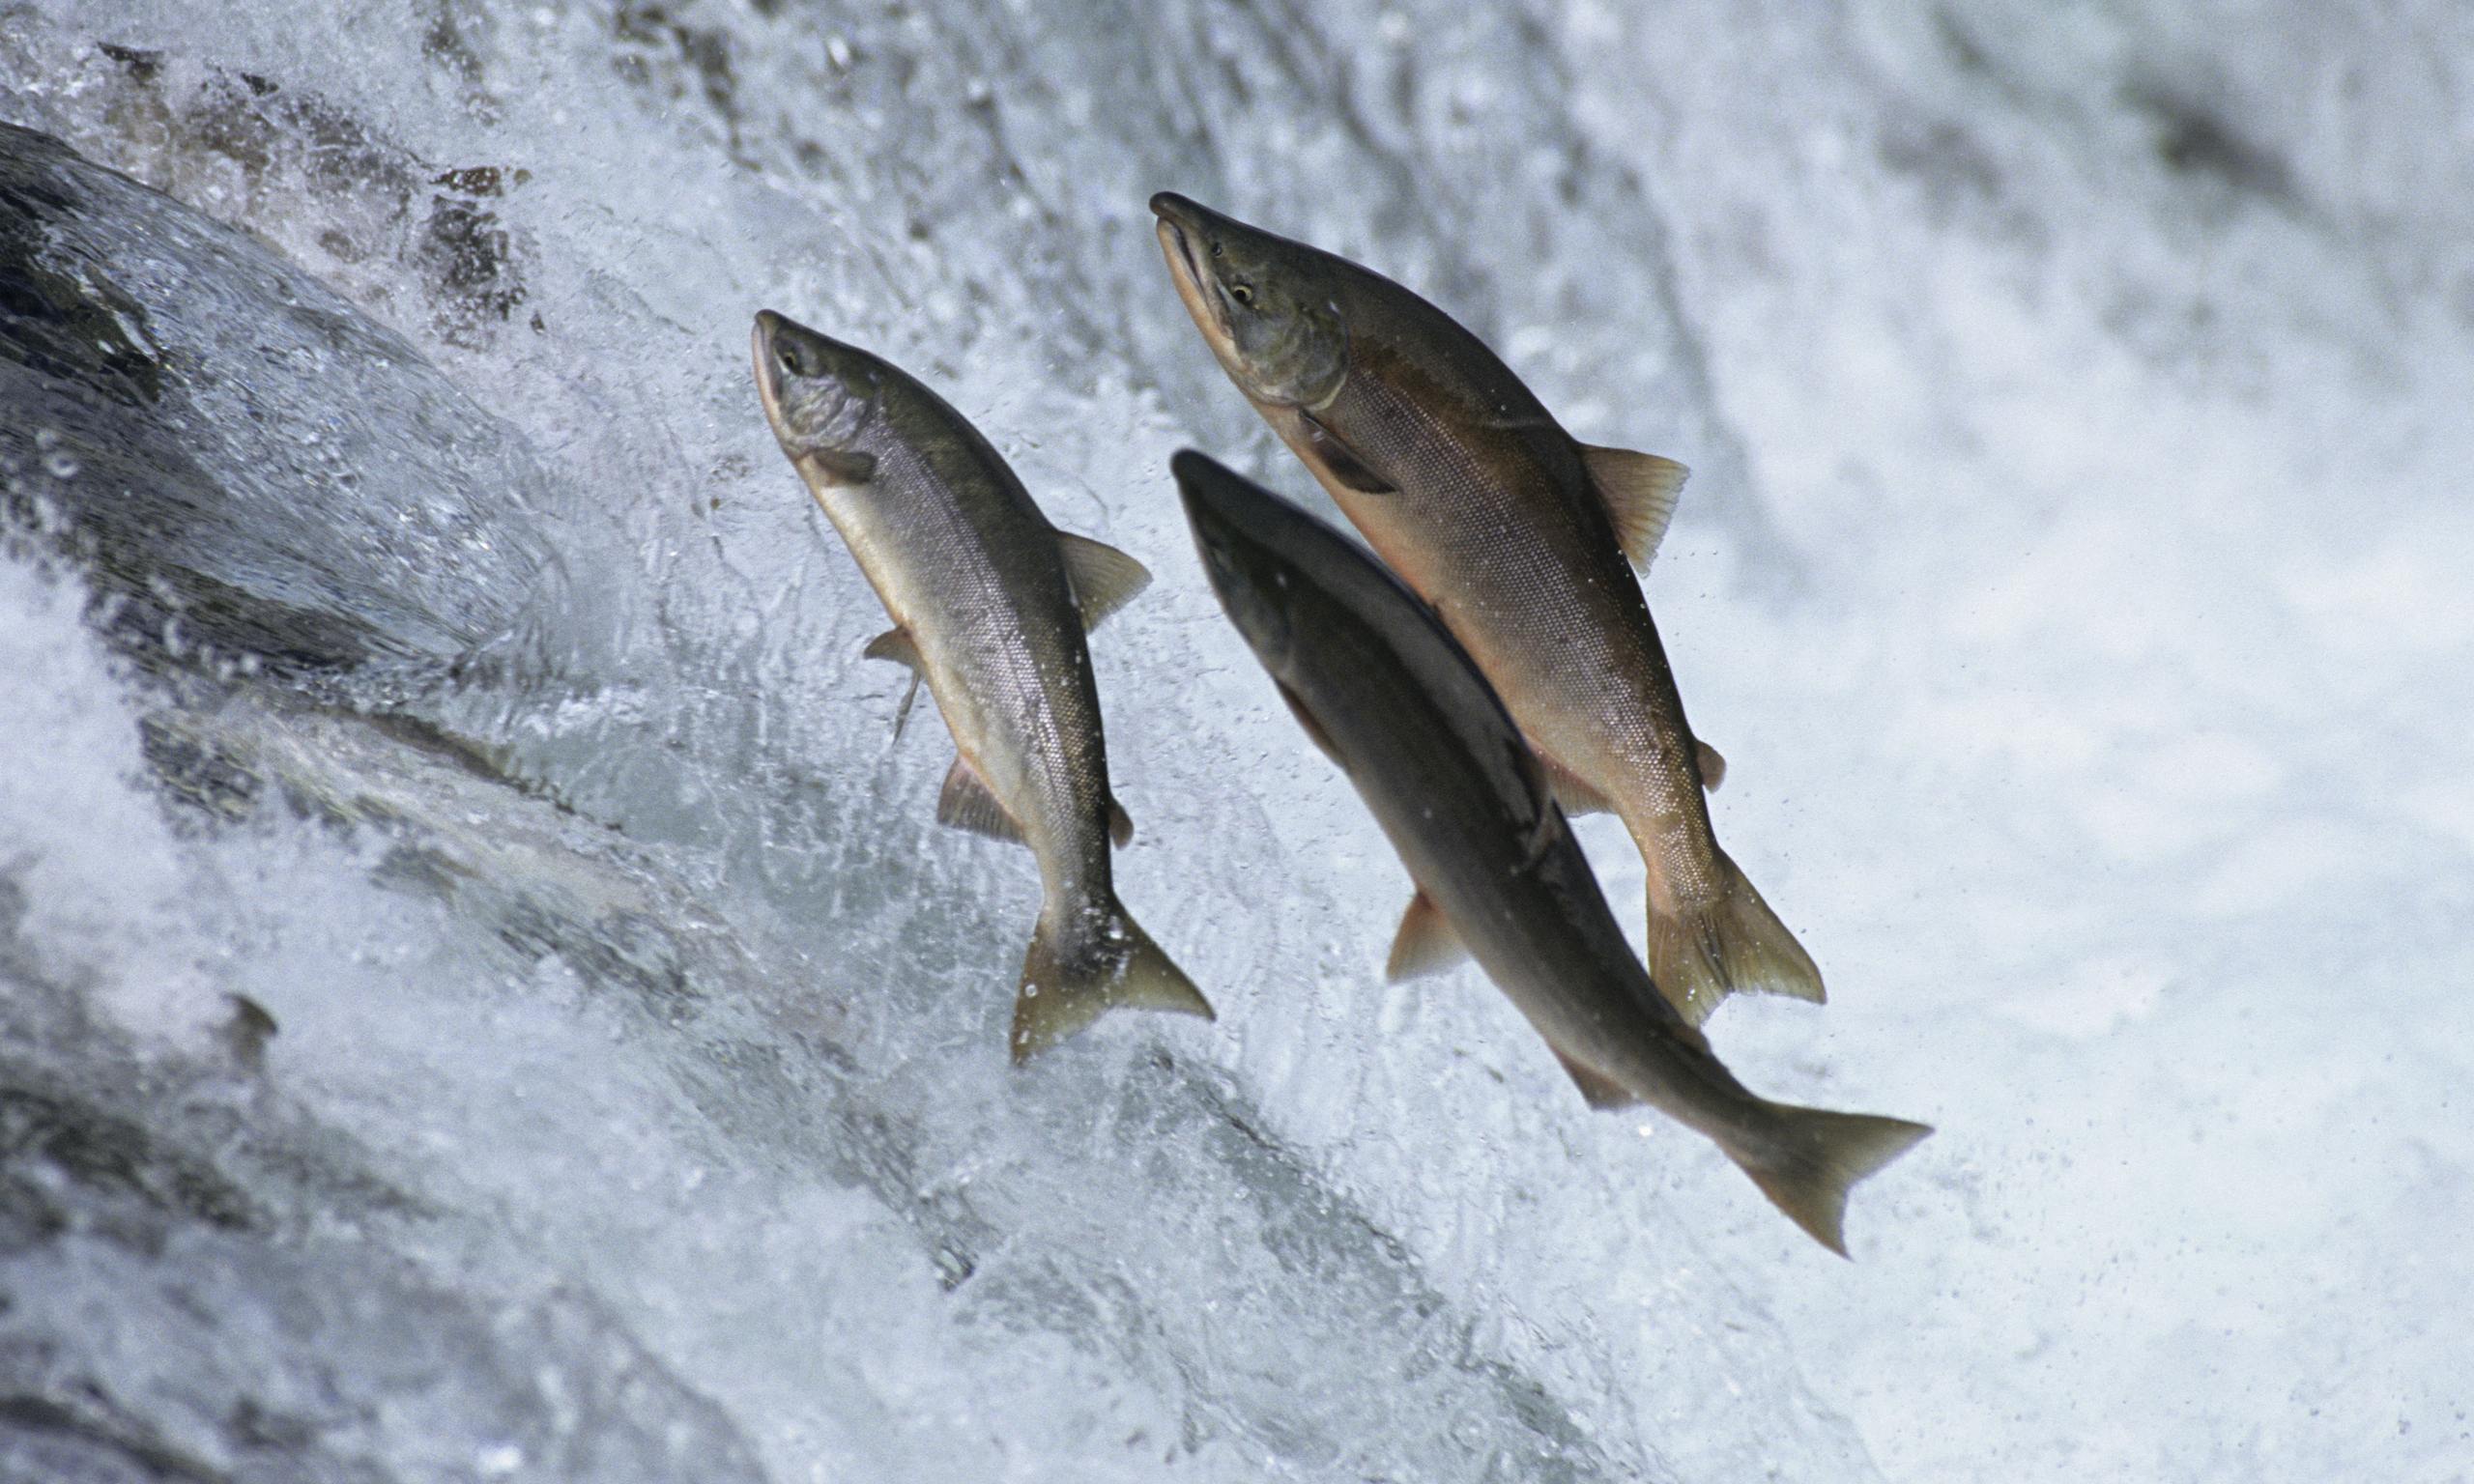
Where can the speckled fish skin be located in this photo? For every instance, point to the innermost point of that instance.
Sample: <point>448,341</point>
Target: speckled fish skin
<point>972,570</point>
<point>1490,515</point>
<point>1443,767</point>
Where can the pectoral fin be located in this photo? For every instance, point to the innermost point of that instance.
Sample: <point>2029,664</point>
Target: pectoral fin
<point>1104,578</point>
<point>1313,727</point>
<point>840,466</point>
<point>896,645</point>
<point>966,804</point>
<point>1426,943</point>
<point>1599,1092</point>
<point>1340,461</point>
<point>1640,491</point>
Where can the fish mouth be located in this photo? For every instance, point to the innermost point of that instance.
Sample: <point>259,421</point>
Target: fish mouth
<point>1238,528</point>
<point>760,349</point>
<point>1180,232</point>
<point>1235,514</point>
<point>1203,486</point>
<point>1179,212</point>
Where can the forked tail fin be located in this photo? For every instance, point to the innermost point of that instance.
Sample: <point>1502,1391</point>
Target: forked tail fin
<point>1705,953</point>
<point>1069,979</point>
<point>1806,1161</point>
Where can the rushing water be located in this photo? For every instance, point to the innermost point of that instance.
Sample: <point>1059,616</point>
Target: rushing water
<point>409,627</point>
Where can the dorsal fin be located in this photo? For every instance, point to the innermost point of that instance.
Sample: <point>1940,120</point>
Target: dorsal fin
<point>1640,490</point>
<point>1426,943</point>
<point>1104,578</point>
<point>965,804</point>
<point>1571,792</point>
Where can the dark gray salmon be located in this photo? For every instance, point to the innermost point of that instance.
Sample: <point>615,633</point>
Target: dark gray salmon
<point>989,604</point>
<point>1399,705</point>
<point>1518,535</point>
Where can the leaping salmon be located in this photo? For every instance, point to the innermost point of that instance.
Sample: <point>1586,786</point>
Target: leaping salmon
<point>1388,692</point>
<point>990,605</point>
<point>1518,535</point>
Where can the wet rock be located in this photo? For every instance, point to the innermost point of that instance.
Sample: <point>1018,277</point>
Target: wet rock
<point>250,470</point>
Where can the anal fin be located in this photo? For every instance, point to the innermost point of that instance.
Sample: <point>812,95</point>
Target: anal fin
<point>966,803</point>
<point>1426,943</point>
<point>1572,791</point>
<point>1596,1089</point>
<point>1120,825</point>
<point>1579,797</point>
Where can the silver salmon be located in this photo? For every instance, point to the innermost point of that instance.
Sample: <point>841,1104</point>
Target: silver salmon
<point>990,605</point>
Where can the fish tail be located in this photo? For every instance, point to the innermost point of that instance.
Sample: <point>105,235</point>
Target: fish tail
<point>1070,978</point>
<point>1806,1160</point>
<point>1702,953</point>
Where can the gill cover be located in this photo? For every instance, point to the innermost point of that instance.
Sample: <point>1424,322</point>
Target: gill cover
<point>817,393</point>
<point>1267,305</point>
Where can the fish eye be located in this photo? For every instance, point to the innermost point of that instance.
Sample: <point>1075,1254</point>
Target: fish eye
<point>787,358</point>
<point>1241,293</point>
